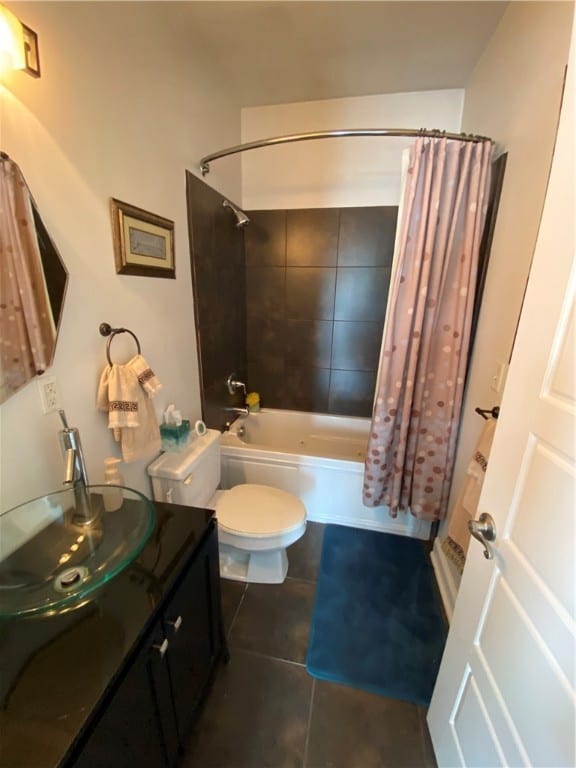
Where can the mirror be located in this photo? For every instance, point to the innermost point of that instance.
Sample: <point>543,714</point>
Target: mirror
<point>33,282</point>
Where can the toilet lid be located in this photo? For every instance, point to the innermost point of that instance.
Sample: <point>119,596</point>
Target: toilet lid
<point>259,510</point>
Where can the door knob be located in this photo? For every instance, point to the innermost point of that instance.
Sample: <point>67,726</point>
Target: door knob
<point>484,531</point>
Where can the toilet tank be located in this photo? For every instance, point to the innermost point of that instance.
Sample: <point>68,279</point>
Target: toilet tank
<point>191,476</point>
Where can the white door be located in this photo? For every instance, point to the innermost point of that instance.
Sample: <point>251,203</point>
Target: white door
<point>505,691</point>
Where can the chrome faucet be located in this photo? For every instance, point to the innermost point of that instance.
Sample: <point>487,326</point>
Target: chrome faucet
<point>75,465</point>
<point>236,410</point>
<point>76,477</point>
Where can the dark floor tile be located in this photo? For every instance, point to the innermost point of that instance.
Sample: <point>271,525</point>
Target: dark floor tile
<point>355,729</point>
<point>304,555</point>
<point>274,620</point>
<point>428,757</point>
<point>231,592</point>
<point>255,717</point>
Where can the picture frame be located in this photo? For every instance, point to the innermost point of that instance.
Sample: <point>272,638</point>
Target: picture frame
<point>31,54</point>
<point>143,241</point>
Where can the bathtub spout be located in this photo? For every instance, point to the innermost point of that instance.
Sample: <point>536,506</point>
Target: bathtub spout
<point>237,411</point>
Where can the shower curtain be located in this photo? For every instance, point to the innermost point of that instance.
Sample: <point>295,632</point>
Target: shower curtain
<point>426,337</point>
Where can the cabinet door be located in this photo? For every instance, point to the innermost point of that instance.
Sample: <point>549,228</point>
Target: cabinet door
<point>190,626</point>
<point>138,725</point>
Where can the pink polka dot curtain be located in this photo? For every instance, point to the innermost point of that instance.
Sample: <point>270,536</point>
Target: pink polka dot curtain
<point>27,330</point>
<point>426,338</point>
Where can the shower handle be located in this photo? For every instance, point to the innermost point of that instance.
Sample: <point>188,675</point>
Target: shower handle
<point>484,531</point>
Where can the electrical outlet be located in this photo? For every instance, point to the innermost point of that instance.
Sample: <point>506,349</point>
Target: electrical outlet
<point>48,394</point>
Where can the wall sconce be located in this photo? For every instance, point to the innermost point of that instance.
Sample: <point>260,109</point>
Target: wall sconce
<point>18,44</point>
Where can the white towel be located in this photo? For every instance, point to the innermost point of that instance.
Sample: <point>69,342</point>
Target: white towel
<point>124,392</point>
<point>455,544</point>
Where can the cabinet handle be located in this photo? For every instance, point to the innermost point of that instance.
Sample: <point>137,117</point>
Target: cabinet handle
<point>162,648</point>
<point>177,623</point>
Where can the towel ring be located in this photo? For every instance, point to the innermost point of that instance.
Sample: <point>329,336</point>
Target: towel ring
<point>107,330</point>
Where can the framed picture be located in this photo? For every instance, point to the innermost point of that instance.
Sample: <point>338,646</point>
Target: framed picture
<point>143,241</point>
<point>31,55</point>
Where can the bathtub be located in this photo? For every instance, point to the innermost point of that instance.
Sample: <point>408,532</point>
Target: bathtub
<point>317,457</point>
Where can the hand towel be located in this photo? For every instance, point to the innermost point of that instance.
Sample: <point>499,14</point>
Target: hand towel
<point>124,392</point>
<point>146,376</point>
<point>455,545</point>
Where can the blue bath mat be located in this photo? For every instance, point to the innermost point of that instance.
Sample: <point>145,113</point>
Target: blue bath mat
<point>377,622</point>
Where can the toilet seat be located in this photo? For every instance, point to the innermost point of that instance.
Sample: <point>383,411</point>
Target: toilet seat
<point>259,511</point>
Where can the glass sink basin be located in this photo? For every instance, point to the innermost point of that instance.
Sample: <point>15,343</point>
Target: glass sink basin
<point>58,549</point>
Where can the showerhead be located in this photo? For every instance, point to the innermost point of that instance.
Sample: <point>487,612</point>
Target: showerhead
<point>241,218</point>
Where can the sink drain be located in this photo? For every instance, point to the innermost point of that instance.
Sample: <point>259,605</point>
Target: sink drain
<point>70,578</point>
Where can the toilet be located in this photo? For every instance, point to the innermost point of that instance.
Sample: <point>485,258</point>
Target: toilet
<point>255,522</point>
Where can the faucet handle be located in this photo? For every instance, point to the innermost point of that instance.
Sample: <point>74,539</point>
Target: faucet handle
<point>63,418</point>
<point>234,385</point>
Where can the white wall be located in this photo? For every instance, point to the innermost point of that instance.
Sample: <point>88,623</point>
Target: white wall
<point>126,102</point>
<point>514,96</point>
<point>337,172</point>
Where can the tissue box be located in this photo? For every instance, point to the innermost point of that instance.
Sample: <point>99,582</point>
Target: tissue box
<point>175,438</point>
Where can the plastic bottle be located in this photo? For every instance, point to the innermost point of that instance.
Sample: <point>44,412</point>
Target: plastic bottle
<point>113,496</point>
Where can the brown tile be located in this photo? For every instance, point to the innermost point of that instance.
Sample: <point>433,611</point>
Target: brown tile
<point>304,555</point>
<point>265,239</point>
<point>305,389</point>
<point>312,237</point>
<point>352,392</point>
<point>266,376</point>
<point>356,346</point>
<point>362,293</point>
<point>367,236</point>
<point>231,593</point>
<point>265,337</point>
<point>256,716</point>
<point>308,343</point>
<point>274,620</point>
<point>310,293</point>
<point>265,290</point>
<point>354,729</point>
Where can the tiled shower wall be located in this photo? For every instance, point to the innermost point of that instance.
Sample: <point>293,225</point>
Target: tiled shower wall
<point>217,253</point>
<point>316,290</point>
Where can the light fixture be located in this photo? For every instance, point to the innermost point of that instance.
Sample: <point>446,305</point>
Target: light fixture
<point>11,41</point>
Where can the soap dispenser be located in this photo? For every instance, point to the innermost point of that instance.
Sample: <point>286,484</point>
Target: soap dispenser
<point>113,496</point>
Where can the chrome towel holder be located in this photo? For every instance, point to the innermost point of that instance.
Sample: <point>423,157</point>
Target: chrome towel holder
<point>107,330</point>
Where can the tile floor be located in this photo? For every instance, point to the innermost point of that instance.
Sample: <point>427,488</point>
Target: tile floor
<point>266,711</point>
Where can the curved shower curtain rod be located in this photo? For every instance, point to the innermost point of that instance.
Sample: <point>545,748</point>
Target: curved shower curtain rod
<point>400,132</point>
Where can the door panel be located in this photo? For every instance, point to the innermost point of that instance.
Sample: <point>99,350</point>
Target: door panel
<point>509,657</point>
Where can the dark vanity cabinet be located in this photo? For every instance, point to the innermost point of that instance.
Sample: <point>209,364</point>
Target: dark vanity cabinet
<point>151,712</point>
<point>131,668</point>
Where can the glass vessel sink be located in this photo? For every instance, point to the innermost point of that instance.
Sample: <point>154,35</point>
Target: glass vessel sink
<point>58,549</point>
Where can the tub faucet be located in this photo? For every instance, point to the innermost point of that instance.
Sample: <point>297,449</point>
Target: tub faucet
<point>236,410</point>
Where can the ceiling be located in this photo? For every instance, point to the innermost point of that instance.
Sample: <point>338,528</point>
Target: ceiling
<point>281,52</point>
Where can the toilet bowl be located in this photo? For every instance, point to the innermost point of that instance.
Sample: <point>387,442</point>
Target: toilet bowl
<point>256,523</point>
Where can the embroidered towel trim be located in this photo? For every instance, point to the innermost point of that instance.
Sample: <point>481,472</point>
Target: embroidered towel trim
<point>124,392</point>
<point>455,545</point>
